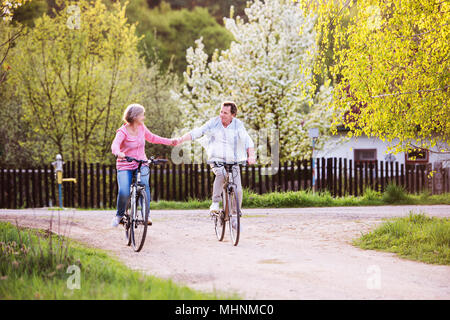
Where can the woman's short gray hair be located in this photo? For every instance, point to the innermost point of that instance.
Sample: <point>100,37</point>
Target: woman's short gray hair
<point>132,112</point>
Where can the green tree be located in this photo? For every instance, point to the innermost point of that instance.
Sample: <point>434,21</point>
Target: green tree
<point>172,32</point>
<point>260,72</point>
<point>31,10</point>
<point>74,79</point>
<point>218,9</point>
<point>390,68</point>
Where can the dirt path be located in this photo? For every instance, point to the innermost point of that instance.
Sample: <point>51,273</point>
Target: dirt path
<point>283,253</point>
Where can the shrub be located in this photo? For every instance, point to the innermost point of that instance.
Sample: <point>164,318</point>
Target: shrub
<point>394,193</point>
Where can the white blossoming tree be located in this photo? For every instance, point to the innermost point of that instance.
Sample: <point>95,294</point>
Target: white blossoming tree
<point>260,72</point>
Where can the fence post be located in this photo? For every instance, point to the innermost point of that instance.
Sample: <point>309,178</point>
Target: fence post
<point>299,175</point>
<point>417,188</point>
<point>14,189</point>
<point>174,182</point>
<point>334,177</point>
<point>366,177</point>
<point>402,175</point>
<point>105,201</point>
<point>376,186</point>
<point>397,177</point>
<point>167,182</point>
<point>19,188</point>
<point>361,178</point>
<point>340,178</point>
<point>345,177</point>
<point>329,174</point>
<point>202,177</point>
<point>208,178</point>
<point>97,185</point>
<point>111,186</point>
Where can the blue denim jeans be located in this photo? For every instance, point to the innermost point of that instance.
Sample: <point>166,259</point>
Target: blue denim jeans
<point>124,179</point>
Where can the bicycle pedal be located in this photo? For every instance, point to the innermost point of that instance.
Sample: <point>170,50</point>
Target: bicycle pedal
<point>213,214</point>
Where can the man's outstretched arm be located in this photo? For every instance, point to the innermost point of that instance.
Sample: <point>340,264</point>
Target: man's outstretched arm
<point>195,133</point>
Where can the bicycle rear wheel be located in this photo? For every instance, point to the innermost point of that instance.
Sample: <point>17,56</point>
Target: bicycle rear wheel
<point>234,217</point>
<point>139,221</point>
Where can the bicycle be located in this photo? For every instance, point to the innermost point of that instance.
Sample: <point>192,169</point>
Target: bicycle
<point>135,219</point>
<point>230,200</point>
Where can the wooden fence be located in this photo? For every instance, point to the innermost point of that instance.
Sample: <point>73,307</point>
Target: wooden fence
<point>96,185</point>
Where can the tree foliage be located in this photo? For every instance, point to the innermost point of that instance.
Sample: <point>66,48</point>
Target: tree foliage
<point>74,80</point>
<point>390,68</point>
<point>172,32</point>
<point>218,9</point>
<point>260,72</point>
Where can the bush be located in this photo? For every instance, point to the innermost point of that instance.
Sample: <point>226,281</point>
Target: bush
<point>371,195</point>
<point>395,194</point>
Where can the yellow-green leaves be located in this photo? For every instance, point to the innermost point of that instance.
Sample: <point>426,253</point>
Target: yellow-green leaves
<point>391,61</point>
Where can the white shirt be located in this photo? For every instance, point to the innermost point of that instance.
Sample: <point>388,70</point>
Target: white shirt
<point>224,144</point>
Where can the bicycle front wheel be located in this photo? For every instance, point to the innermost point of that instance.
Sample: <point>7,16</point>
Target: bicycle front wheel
<point>219,225</point>
<point>127,222</point>
<point>139,221</point>
<point>219,221</point>
<point>234,217</point>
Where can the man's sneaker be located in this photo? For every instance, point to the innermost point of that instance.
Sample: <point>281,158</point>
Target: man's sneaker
<point>116,221</point>
<point>214,207</point>
<point>149,221</point>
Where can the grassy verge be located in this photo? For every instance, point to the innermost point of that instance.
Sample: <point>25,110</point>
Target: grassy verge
<point>416,237</point>
<point>35,264</point>
<point>296,199</point>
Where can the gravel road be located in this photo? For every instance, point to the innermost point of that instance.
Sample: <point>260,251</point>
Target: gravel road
<point>301,253</point>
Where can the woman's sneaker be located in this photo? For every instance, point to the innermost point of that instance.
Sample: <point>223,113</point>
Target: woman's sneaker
<point>116,221</point>
<point>149,221</point>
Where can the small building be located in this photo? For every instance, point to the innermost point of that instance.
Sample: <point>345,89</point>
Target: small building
<point>368,149</point>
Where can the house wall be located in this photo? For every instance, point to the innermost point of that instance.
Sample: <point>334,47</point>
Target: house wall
<point>339,147</point>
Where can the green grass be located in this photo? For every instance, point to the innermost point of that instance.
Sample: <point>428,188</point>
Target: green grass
<point>34,265</point>
<point>298,199</point>
<point>416,237</point>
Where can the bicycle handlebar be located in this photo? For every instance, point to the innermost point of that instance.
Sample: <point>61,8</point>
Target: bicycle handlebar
<point>152,160</point>
<point>222,163</point>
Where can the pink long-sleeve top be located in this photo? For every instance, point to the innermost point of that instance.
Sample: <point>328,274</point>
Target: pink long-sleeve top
<point>134,146</point>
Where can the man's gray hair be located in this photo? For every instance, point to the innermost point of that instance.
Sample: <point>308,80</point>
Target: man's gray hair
<point>132,112</point>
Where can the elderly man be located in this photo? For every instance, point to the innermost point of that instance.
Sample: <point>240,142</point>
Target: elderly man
<point>227,140</point>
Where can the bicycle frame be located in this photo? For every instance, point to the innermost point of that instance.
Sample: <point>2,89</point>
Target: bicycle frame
<point>228,183</point>
<point>228,187</point>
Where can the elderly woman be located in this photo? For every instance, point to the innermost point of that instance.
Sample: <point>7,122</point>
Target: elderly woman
<point>130,141</point>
